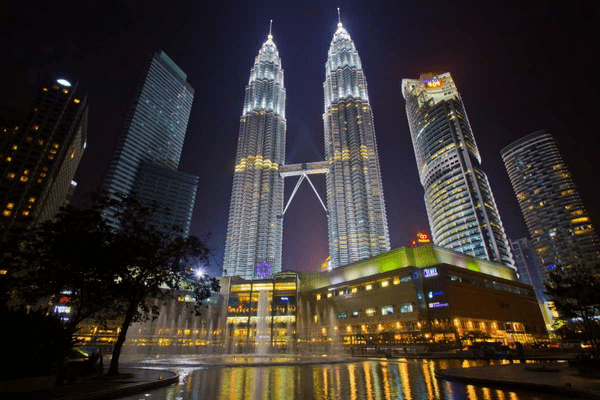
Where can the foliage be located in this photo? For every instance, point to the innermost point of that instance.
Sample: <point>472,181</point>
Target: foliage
<point>575,292</point>
<point>150,260</point>
<point>62,261</point>
<point>35,342</point>
<point>100,271</point>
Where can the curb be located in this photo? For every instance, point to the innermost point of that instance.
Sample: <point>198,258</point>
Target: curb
<point>562,390</point>
<point>124,390</point>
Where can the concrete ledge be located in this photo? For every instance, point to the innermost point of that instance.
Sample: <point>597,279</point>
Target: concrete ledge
<point>463,376</point>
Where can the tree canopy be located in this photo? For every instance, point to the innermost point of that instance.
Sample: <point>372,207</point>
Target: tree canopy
<point>575,292</point>
<point>98,270</point>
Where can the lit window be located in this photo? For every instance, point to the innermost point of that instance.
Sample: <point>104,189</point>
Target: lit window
<point>25,213</point>
<point>370,312</point>
<point>8,159</point>
<point>396,281</point>
<point>55,145</point>
<point>29,138</point>
<point>15,147</point>
<point>72,153</point>
<point>50,157</point>
<point>24,178</point>
<point>44,168</point>
<point>354,290</point>
<point>26,172</point>
<point>329,294</point>
<point>65,91</point>
<point>406,308</point>
<point>11,175</point>
<point>385,310</point>
<point>42,174</point>
<point>341,292</point>
<point>6,213</point>
<point>369,287</point>
<point>318,297</point>
<point>385,284</point>
<point>76,101</point>
<point>36,127</point>
<point>316,318</point>
<point>32,199</point>
<point>40,142</point>
<point>10,206</point>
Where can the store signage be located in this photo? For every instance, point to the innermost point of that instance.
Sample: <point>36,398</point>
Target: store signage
<point>422,237</point>
<point>437,304</point>
<point>427,273</point>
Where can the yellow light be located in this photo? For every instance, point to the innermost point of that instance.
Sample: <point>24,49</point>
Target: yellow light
<point>329,294</point>
<point>354,290</point>
<point>76,101</point>
<point>10,206</point>
<point>318,297</point>
<point>8,159</point>
<point>24,178</point>
<point>6,213</point>
<point>369,287</point>
<point>11,175</point>
<point>25,213</point>
<point>578,220</point>
<point>384,284</point>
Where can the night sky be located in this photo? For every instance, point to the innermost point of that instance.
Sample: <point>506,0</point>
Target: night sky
<point>518,68</point>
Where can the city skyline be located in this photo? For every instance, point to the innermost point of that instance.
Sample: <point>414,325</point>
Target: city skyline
<point>490,57</point>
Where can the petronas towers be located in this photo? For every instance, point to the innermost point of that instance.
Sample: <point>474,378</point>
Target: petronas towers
<point>356,210</point>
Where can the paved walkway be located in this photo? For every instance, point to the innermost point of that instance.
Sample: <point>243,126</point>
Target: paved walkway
<point>131,381</point>
<point>547,377</point>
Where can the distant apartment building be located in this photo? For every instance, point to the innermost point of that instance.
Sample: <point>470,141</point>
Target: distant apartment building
<point>559,225</point>
<point>40,153</point>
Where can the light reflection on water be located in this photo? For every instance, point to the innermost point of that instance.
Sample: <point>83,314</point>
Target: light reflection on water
<point>362,380</point>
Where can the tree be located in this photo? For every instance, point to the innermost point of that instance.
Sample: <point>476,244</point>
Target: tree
<point>575,292</point>
<point>62,261</point>
<point>153,264</point>
<point>100,271</point>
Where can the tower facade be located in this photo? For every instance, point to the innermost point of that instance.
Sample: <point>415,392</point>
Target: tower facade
<point>460,205</point>
<point>40,155</point>
<point>357,218</point>
<point>559,225</point>
<point>254,231</point>
<point>153,133</point>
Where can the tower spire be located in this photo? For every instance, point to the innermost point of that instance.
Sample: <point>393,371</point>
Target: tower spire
<point>339,17</point>
<point>270,30</point>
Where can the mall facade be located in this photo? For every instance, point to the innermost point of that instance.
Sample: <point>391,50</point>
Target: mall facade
<point>405,297</point>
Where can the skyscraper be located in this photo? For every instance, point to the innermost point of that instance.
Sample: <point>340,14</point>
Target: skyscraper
<point>460,206</point>
<point>39,156</point>
<point>153,134</point>
<point>357,218</point>
<point>558,223</point>
<point>254,231</point>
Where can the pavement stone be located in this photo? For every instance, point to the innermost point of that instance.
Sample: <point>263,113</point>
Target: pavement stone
<point>131,381</point>
<point>556,378</point>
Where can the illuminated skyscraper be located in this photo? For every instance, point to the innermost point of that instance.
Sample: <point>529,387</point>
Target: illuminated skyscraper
<point>152,138</point>
<point>462,212</point>
<point>357,218</point>
<point>254,232</point>
<point>40,155</point>
<point>559,225</point>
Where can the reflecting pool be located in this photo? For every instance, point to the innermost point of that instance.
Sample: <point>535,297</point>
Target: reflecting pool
<point>354,380</point>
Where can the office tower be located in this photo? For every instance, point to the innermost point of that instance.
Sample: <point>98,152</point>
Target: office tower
<point>558,224</point>
<point>254,232</point>
<point>40,155</point>
<point>357,219</point>
<point>528,267</point>
<point>153,133</point>
<point>460,206</point>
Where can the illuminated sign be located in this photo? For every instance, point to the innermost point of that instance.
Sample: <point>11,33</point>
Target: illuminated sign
<point>63,309</point>
<point>433,82</point>
<point>429,272</point>
<point>431,294</point>
<point>263,269</point>
<point>437,304</point>
<point>423,238</point>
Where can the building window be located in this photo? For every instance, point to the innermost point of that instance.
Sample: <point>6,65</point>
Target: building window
<point>406,308</point>
<point>368,287</point>
<point>342,315</point>
<point>385,284</point>
<point>386,310</point>
<point>370,312</point>
<point>355,314</point>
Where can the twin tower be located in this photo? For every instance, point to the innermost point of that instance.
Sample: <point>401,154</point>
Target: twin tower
<point>355,205</point>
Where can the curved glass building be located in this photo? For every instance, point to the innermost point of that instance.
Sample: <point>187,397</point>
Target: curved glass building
<point>254,233</point>
<point>357,218</point>
<point>462,212</point>
<point>559,225</point>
